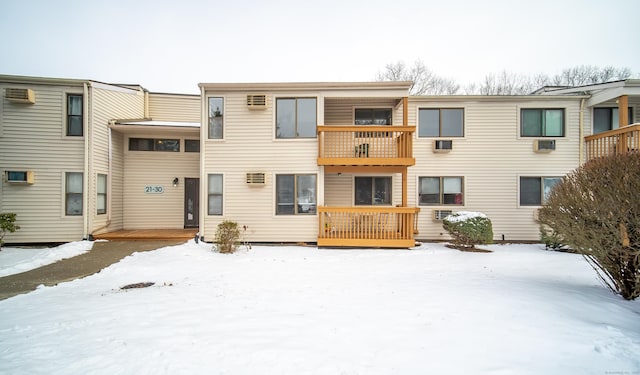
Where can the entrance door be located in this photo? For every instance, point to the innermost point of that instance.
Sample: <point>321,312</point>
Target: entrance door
<point>191,202</point>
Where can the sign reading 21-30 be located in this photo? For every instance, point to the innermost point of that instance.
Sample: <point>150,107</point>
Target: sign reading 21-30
<point>153,189</point>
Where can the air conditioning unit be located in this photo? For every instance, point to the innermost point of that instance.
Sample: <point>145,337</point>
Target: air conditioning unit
<point>544,145</point>
<point>257,101</point>
<point>20,95</point>
<point>256,179</point>
<point>439,215</point>
<point>442,145</point>
<point>20,177</point>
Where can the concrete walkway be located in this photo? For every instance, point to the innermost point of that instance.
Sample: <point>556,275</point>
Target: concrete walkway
<point>102,255</point>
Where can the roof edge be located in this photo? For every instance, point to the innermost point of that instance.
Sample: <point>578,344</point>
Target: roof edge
<point>278,86</point>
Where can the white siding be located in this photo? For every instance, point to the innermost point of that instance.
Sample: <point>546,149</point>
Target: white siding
<point>109,105</point>
<point>33,139</point>
<point>249,145</point>
<point>173,107</point>
<point>156,211</point>
<point>491,157</point>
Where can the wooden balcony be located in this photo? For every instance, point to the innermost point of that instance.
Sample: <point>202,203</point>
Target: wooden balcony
<point>618,141</point>
<point>366,146</point>
<point>367,226</point>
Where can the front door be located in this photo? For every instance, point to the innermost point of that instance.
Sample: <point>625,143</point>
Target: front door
<point>191,202</point>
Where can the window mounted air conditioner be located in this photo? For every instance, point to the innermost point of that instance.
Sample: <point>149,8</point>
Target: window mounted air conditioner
<point>544,145</point>
<point>442,145</point>
<point>439,215</point>
<point>20,95</point>
<point>257,101</point>
<point>256,179</point>
<point>19,177</point>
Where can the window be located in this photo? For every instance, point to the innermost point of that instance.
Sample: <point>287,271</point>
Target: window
<point>191,145</point>
<point>296,118</point>
<point>74,115</point>
<point>440,191</point>
<point>101,191</point>
<point>373,191</point>
<point>148,144</point>
<point>542,122</point>
<point>605,119</point>
<point>534,190</point>
<point>73,194</point>
<point>295,194</point>
<point>216,118</point>
<point>17,176</point>
<point>215,194</point>
<point>373,116</point>
<point>441,122</point>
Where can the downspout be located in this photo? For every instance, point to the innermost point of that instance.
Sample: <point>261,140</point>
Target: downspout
<point>87,136</point>
<point>581,132</point>
<point>203,174</point>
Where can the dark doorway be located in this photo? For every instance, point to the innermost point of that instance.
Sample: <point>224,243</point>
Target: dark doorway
<point>191,202</point>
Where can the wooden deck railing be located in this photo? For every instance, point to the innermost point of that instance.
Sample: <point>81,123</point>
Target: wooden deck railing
<point>366,145</point>
<point>618,141</point>
<point>367,226</point>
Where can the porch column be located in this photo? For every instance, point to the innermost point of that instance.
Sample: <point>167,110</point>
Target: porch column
<point>405,122</point>
<point>623,110</point>
<point>623,120</point>
<point>405,111</point>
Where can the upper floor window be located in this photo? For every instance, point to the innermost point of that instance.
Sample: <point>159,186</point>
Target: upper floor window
<point>441,122</point>
<point>372,191</point>
<point>295,194</point>
<point>535,190</point>
<point>191,145</point>
<point>216,118</point>
<point>536,122</point>
<point>440,191</point>
<point>74,115</point>
<point>296,117</point>
<point>605,119</point>
<point>372,116</point>
<point>148,144</point>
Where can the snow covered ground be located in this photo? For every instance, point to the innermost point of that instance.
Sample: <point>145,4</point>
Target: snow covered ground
<point>300,310</point>
<point>16,260</point>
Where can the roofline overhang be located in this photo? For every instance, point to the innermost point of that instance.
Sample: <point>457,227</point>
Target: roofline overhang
<point>308,86</point>
<point>593,87</point>
<point>441,98</point>
<point>68,82</point>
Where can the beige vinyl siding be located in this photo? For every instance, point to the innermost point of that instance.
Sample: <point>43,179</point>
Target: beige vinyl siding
<point>156,211</point>
<point>109,103</point>
<point>174,107</point>
<point>249,145</point>
<point>491,157</point>
<point>340,111</point>
<point>33,139</point>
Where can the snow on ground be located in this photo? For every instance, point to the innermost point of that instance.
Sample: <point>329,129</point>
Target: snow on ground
<point>300,310</point>
<point>16,260</point>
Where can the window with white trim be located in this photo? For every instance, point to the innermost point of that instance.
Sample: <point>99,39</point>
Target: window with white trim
<point>542,122</point>
<point>214,194</point>
<point>441,122</point>
<point>373,191</point>
<point>216,118</point>
<point>73,193</point>
<point>439,191</point>
<point>535,190</point>
<point>101,194</point>
<point>296,194</point>
<point>296,118</point>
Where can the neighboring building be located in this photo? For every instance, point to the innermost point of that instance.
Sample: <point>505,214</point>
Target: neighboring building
<point>339,164</point>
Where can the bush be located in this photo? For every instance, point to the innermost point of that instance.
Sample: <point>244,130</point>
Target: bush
<point>468,229</point>
<point>227,237</point>
<point>596,211</point>
<point>551,239</point>
<point>7,224</point>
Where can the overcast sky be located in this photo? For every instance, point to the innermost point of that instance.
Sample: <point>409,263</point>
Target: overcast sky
<point>171,46</point>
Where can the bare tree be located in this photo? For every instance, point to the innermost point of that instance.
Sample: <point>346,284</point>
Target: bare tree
<point>425,82</point>
<point>589,74</point>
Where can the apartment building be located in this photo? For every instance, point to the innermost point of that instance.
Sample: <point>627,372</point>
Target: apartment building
<point>337,164</point>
